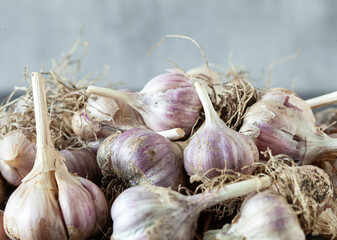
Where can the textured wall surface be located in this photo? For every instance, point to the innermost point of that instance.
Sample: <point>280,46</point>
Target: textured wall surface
<point>121,32</point>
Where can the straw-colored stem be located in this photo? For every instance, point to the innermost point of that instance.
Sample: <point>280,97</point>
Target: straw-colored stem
<point>110,93</point>
<point>173,134</point>
<point>231,191</point>
<point>323,100</point>
<point>43,135</point>
<point>210,114</point>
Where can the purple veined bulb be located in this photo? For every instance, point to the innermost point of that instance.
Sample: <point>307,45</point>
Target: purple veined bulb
<point>167,101</point>
<point>83,163</point>
<point>215,146</point>
<point>141,155</point>
<point>285,124</point>
<point>51,203</point>
<point>262,216</point>
<point>148,212</point>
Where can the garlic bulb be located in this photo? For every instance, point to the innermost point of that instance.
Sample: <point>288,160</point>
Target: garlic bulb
<point>141,155</point>
<point>263,216</point>
<point>50,203</point>
<point>17,156</point>
<point>154,213</point>
<point>82,162</point>
<point>285,124</point>
<point>167,101</point>
<point>215,146</point>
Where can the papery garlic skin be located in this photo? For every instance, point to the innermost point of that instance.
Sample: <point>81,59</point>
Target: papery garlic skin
<point>285,124</point>
<point>215,146</point>
<point>17,157</point>
<point>263,216</point>
<point>33,212</point>
<point>141,155</point>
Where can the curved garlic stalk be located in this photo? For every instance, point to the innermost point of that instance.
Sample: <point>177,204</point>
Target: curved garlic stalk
<point>285,124</point>
<point>154,213</point>
<point>215,146</point>
<point>50,203</point>
<point>141,155</point>
<point>167,101</point>
<point>17,157</point>
<point>263,216</point>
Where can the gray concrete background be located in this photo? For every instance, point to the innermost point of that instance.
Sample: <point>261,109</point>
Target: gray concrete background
<point>120,33</point>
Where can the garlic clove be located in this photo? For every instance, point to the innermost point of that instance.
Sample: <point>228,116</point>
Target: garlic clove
<point>101,206</point>
<point>17,156</point>
<point>32,211</point>
<point>77,206</point>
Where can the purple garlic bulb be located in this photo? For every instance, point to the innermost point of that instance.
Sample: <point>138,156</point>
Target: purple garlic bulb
<point>167,101</point>
<point>147,212</point>
<point>141,155</point>
<point>83,163</point>
<point>284,123</point>
<point>215,146</point>
<point>263,216</point>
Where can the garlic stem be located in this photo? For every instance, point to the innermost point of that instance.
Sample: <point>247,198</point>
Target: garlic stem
<point>323,100</point>
<point>210,113</point>
<point>173,134</point>
<point>44,142</point>
<point>43,135</point>
<point>110,93</point>
<point>231,191</point>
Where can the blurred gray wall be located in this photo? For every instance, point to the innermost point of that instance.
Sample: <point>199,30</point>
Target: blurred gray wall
<point>120,33</point>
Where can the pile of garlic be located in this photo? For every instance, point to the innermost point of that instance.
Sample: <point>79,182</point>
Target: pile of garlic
<point>158,159</point>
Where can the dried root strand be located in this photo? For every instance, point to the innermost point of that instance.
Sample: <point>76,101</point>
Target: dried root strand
<point>307,188</point>
<point>65,95</point>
